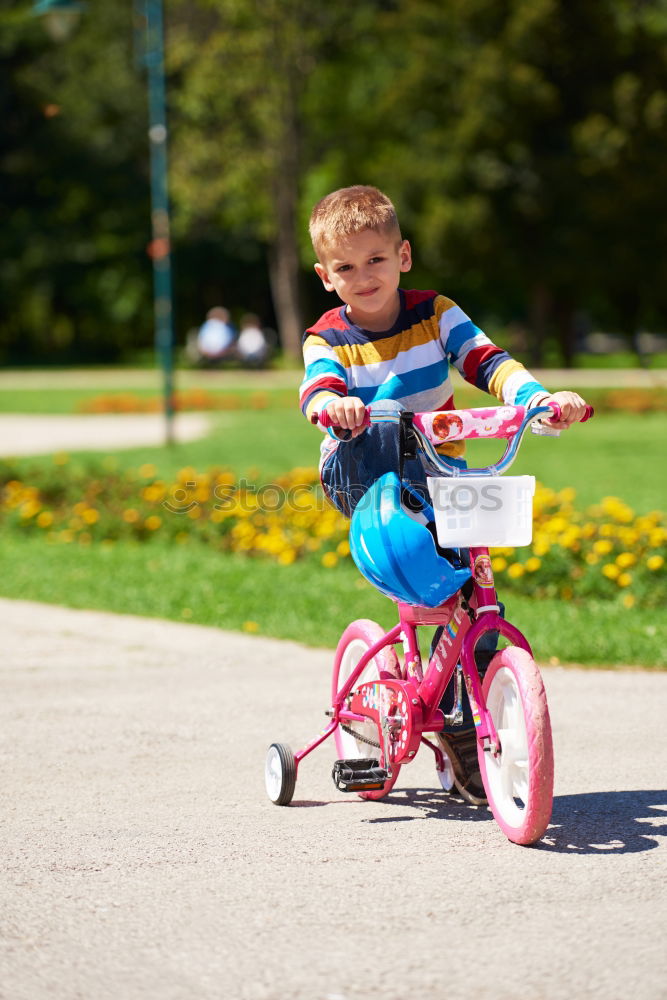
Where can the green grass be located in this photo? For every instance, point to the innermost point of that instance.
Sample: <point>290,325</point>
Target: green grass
<point>615,454</point>
<point>303,602</point>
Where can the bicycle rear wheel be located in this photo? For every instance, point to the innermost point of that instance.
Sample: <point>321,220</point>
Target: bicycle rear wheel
<point>363,739</point>
<point>519,782</point>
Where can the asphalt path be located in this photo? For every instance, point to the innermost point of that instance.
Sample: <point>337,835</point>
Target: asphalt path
<point>142,859</point>
<point>38,434</point>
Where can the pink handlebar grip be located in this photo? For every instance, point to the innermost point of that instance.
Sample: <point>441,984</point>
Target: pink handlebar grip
<point>325,420</point>
<point>557,413</point>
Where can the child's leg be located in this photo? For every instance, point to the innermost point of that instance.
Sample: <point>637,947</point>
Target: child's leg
<point>460,742</point>
<point>355,465</point>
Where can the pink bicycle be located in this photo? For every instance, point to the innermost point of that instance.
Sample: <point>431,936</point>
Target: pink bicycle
<point>383,706</point>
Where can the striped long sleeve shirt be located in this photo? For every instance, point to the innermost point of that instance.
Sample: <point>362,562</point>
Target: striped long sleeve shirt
<point>410,362</point>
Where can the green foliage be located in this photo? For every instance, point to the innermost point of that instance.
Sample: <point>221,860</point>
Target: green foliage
<point>74,277</point>
<point>522,141</point>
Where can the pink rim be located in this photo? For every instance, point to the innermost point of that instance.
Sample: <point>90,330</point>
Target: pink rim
<point>520,792</point>
<point>366,632</point>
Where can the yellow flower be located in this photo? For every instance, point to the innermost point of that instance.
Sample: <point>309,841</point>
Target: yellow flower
<point>147,471</point>
<point>250,627</point>
<point>515,571</point>
<point>541,546</point>
<point>90,515</point>
<point>628,601</point>
<point>498,564</point>
<point>45,519</point>
<point>626,559</point>
<point>287,557</point>
<point>29,509</point>
<point>153,522</point>
<point>153,493</point>
<point>653,562</point>
<point>611,571</point>
<point>131,516</point>
<point>603,546</point>
<point>343,548</point>
<point>624,579</point>
<point>329,560</point>
<point>532,564</point>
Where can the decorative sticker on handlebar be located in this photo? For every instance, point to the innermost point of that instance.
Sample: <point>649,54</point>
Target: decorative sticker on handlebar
<point>482,422</point>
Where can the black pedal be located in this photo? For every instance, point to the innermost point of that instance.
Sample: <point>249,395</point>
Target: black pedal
<point>362,775</point>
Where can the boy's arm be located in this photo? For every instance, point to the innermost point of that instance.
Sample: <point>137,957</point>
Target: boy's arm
<point>488,367</point>
<point>324,387</point>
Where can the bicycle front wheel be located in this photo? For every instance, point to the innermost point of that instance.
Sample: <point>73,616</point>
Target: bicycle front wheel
<point>360,739</point>
<point>519,781</point>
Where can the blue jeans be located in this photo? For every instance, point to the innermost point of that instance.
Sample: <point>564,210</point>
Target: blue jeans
<point>355,465</point>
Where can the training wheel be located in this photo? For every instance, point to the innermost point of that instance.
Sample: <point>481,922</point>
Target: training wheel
<point>280,774</point>
<point>446,776</point>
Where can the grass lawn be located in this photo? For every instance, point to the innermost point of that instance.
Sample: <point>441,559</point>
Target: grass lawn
<point>615,454</point>
<point>304,602</point>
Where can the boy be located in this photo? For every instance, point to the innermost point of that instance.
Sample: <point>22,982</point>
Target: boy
<point>392,346</point>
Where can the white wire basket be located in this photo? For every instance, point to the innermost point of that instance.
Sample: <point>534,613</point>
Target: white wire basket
<point>483,510</point>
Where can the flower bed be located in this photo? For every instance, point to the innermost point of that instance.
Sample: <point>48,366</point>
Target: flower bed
<point>605,551</point>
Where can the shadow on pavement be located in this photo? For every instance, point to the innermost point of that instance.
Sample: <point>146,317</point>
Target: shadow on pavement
<point>606,822</point>
<point>589,823</point>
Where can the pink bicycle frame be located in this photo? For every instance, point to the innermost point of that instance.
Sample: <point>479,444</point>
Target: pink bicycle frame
<point>416,696</point>
<point>463,625</point>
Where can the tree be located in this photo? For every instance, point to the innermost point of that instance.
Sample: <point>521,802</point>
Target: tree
<point>74,278</point>
<point>237,128</point>
<point>523,143</point>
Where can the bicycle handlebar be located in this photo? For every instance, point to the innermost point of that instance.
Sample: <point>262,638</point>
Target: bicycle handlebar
<point>442,426</point>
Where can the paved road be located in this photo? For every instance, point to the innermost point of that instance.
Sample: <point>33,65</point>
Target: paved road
<point>141,858</point>
<point>33,434</point>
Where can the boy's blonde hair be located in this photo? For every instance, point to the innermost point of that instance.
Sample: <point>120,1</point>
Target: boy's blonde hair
<point>348,211</point>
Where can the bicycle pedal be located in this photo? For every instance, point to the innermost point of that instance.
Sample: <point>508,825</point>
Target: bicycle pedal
<point>362,775</point>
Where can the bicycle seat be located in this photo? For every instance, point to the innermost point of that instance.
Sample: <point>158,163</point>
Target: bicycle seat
<point>392,546</point>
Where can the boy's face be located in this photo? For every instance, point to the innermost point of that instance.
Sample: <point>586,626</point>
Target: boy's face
<point>364,270</point>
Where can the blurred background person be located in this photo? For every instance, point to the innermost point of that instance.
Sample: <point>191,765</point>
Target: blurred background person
<point>216,336</point>
<point>252,346</point>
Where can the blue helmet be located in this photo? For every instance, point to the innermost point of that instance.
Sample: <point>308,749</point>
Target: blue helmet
<point>394,549</point>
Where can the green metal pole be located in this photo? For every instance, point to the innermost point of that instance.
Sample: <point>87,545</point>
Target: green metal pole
<point>160,246</point>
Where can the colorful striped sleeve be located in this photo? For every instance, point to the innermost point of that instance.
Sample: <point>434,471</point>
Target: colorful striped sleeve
<point>481,362</point>
<point>325,377</point>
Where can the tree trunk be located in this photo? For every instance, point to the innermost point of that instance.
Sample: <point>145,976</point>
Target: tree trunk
<point>284,249</point>
<point>566,334</point>
<point>284,278</point>
<point>539,311</point>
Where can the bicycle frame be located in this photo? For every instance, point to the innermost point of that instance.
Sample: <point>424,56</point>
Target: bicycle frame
<point>463,625</point>
<point>419,693</point>
<point>380,721</point>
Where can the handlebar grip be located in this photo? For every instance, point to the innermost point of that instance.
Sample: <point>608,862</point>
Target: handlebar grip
<point>557,413</point>
<point>324,420</point>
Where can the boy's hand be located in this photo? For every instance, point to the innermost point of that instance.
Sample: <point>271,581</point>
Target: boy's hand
<point>572,406</point>
<point>347,412</point>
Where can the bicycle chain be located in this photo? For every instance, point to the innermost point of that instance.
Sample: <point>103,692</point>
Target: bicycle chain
<point>358,736</point>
